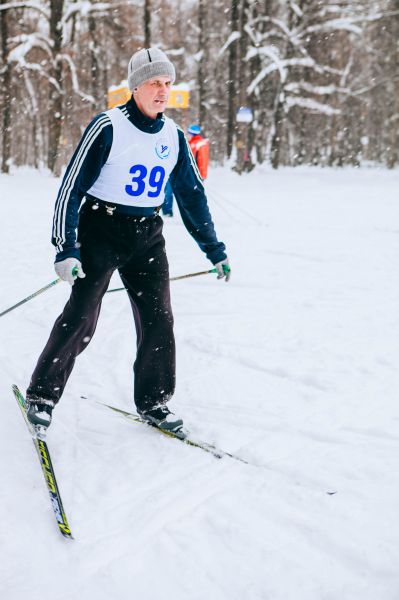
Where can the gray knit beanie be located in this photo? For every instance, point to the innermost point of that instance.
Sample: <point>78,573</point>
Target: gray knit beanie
<point>148,63</point>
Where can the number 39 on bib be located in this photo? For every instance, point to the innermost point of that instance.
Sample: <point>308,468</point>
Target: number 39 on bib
<point>146,183</point>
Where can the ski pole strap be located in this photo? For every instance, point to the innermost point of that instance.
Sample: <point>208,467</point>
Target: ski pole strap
<point>43,289</point>
<point>173,278</point>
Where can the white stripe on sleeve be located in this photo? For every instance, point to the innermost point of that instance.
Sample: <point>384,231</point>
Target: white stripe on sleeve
<point>59,221</point>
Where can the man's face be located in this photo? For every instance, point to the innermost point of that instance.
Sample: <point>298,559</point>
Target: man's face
<point>152,95</point>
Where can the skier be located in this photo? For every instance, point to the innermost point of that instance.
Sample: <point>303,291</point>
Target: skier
<point>200,149</point>
<point>121,166</point>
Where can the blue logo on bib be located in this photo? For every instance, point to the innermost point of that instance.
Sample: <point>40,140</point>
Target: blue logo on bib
<point>162,148</point>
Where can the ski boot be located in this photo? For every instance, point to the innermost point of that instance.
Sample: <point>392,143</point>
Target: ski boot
<point>39,413</point>
<point>161,417</point>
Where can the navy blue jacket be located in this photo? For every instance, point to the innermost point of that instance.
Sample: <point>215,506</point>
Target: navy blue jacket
<point>84,168</point>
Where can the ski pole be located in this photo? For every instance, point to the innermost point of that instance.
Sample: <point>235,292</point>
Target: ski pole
<point>43,289</point>
<point>173,278</point>
<point>52,283</point>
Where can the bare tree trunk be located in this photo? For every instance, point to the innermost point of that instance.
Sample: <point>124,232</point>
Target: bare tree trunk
<point>6,95</point>
<point>275,149</point>
<point>95,80</point>
<point>147,24</point>
<point>261,103</point>
<point>231,82</point>
<point>279,112</point>
<point>55,96</point>
<point>201,62</point>
<point>393,135</point>
<point>244,139</point>
<point>37,133</point>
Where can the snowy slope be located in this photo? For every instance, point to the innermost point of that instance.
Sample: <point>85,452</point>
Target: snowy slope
<point>292,365</point>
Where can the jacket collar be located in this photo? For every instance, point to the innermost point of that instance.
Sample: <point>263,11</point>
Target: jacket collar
<point>141,121</point>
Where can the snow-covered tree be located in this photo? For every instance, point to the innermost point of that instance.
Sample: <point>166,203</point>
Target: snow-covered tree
<point>52,41</point>
<point>303,59</point>
<point>320,76</point>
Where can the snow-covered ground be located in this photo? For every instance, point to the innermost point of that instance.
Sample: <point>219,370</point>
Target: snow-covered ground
<point>293,365</point>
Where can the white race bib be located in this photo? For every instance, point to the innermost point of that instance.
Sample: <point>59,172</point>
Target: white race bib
<point>138,165</point>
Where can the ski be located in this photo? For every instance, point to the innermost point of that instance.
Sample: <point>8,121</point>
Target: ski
<point>216,452</point>
<point>47,467</point>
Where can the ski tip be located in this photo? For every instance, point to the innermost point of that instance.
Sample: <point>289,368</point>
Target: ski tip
<point>19,397</point>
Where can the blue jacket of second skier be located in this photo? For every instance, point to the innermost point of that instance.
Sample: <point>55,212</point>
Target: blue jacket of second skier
<point>85,166</point>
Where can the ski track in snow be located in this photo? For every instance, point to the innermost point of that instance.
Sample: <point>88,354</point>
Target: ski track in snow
<point>291,365</point>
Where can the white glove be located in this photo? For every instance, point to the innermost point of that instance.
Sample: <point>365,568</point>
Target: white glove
<point>69,269</point>
<point>223,269</point>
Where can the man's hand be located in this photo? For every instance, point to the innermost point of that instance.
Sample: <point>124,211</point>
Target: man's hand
<point>69,269</point>
<point>223,269</point>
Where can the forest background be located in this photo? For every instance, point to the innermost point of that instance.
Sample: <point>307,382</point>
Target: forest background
<point>320,77</point>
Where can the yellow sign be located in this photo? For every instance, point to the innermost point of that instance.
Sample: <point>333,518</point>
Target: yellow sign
<point>178,98</point>
<point>120,94</point>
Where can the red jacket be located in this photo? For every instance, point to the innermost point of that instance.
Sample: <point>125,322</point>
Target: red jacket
<point>200,149</point>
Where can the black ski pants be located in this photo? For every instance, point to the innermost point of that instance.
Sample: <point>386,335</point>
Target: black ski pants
<point>136,247</point>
